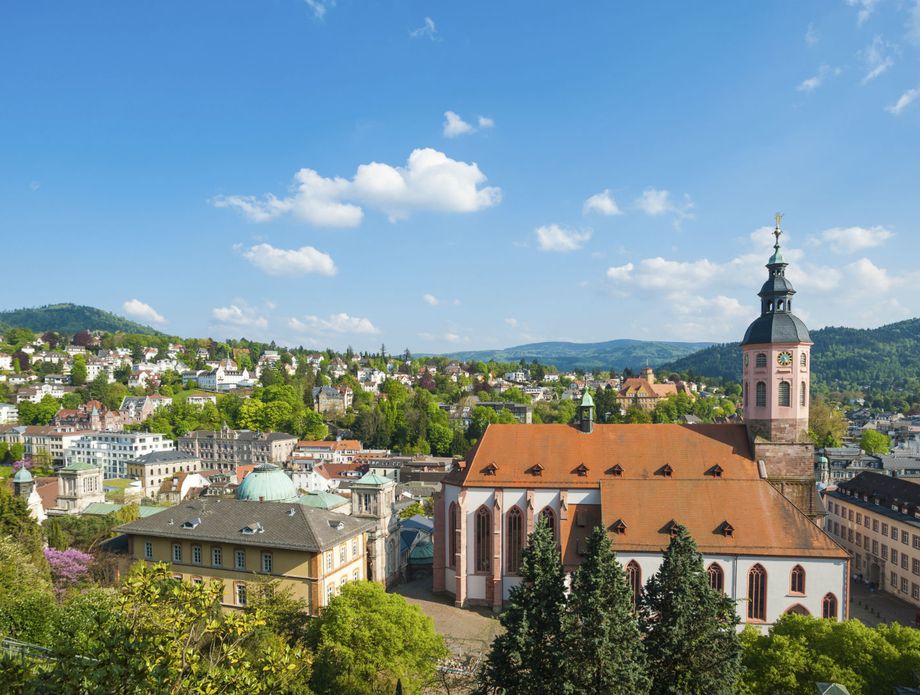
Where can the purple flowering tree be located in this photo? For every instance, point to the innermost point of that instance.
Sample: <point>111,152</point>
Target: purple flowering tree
<point>68,567</point>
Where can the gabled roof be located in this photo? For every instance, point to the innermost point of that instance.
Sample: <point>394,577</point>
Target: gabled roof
<point>282,525</point>
<point>639,450</point>
<point>762,520</point>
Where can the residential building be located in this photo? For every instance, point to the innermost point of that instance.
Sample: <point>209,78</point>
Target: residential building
<point>644,391</point>
<point>35,393</point>
<point>113,451</point>
<point>155,467</point>
<point>44,444</point>
<point>92,415</point>
<point>309,551</point>
<point>745,492</point>
<point>201,399</point>
<point>139,408</point>
<point>225,449</point>
<point>330,400</point>
<point>9,414</point>
<point>338,451</point>
<point>6,362</point>
<point>877,518</point>
<point>222,378</point>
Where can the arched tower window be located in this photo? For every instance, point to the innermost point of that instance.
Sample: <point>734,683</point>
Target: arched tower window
<point>784,395</point>
<point>797,580</point>
<point>760,360</point>
<point>482,555</point>
<point>453,530</point>
<point>550,516</point>
<point>716,577</point>
<point>802,390</point>
<point>634,578</point>
<point>782,305</point>
<point>514,535</point>
<point>757,593</point>
<point>803,360</point>
<point>829,607</point>
<point>761,396</point>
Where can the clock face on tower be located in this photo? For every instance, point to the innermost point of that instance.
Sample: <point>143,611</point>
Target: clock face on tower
<point>784,359</point>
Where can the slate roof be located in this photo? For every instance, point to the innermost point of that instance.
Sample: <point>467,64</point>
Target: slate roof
<point>281,524</point>
<point>160,457</point>
<point>639,450</point>
<point>776,327</point>
<point>888,489</point>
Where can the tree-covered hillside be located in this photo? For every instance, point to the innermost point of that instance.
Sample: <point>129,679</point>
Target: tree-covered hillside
<point>883,358</point>
<point>71,318</point>
<point>612,354</point>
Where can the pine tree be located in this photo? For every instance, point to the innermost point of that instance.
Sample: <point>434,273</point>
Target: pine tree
<point>691,642</point>
<point>604,652</point>
<point>528,658</point>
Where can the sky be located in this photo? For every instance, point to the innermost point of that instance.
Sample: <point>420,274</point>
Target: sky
<point>454,176</point>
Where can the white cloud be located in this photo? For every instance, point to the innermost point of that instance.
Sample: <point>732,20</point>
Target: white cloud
<point>903,102</point>
<point>430,181</point>
<point>812,83</point>
<point>866,9</point>
<point>486,122</point>
<point>913,24</point>
<point>811,35</point>
<point>552,237</point>
<point>35,185</point>
<point>454,125</point>
<point>428,30</point>
<point>320,7</point>
<point>622,273</point>
<point>139,310</point>
<point>239,315</point>
<point>867,276</point>
<point>430,299</point>
<point>655,202</point>
<point>513,323</point>
<point>876,59</point>
<point>336,323</point>
<point>281,262</point>
<point>850,239</point>
<point>602,203</point>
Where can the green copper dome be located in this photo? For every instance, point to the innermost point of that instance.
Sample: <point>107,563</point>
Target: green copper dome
<point>267,483</point>
<point>586,400</point>
<point>22,476</point>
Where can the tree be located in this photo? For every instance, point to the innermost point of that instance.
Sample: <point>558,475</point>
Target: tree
<point>17,451</point>
<point>801,651</point>
<point>69,568</point>
<point>26,599</point>
<point>874,442</point>
<point>78,371</point>
<point>39,413</point>
<point>529,657</point>
<point>690,636</point>
<point>168,636</point>
<point>636,415</point>
<point>313,426</point>
<point>604,652</point>
<point>413,509</point>
<point>826,424</point>
<point>366,640</point>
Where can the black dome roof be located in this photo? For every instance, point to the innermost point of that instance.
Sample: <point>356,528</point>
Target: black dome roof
<point>776,327</point>
<point>776,284</point>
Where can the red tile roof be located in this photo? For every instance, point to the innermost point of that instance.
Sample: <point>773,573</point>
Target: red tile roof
<point>640,450</point>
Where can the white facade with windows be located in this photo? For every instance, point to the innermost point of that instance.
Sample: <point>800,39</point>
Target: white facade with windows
<point>113,451</point>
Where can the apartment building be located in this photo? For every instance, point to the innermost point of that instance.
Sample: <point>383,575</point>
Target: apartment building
<point>113,451</point>
<point>157,466</point>
<point>877,518</point>
<point>225,449</point>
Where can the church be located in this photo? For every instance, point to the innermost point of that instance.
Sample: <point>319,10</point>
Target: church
<point>745,492</point>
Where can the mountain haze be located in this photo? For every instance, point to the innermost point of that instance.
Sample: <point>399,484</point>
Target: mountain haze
<point>612,354</point>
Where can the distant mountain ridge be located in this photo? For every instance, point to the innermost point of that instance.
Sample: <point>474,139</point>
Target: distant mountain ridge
<point>611,354</point>
<point>887,357</point>
<point>71,318</point>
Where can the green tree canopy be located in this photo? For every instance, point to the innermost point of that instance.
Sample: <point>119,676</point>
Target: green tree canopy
<point>874,442</point>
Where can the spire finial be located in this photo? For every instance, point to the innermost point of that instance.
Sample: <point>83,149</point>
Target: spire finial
<point>777,231</point>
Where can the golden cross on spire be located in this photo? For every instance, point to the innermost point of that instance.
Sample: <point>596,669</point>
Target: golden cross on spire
<point>777,231</point>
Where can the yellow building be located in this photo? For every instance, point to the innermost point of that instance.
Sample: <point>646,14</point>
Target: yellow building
<point>312,551</point>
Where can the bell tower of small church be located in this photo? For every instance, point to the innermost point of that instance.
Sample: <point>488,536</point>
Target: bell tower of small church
<point>776,364</point>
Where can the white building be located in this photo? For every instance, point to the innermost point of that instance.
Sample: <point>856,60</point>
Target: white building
<point>6,361</point>
<point>9,414</point>
<point>113,451</point>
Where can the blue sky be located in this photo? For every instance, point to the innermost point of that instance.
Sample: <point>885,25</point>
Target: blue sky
<point>289,170</point>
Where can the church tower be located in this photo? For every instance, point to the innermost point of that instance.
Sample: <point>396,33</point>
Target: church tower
<point>776,364</point>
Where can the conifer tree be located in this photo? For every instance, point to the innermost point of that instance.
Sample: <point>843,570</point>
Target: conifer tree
<point>604,651</point>
<point>691,642</point>
<point>528,658</point>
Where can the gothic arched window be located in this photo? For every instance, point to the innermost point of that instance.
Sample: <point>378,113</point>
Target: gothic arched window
<point>634,579</point>
<point>716,577</point>
<point>757,593</point>
<point>797,580</point>
<point>802,391</point>
<point>784,394</point>
<point>829,607</point>
<point>453,531</point>
<point>760,360</point>
<point>514,535</point>
<point>803,360</point>
<point>550,517</point>
<point>761,396</point>
<point>482,555</point>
